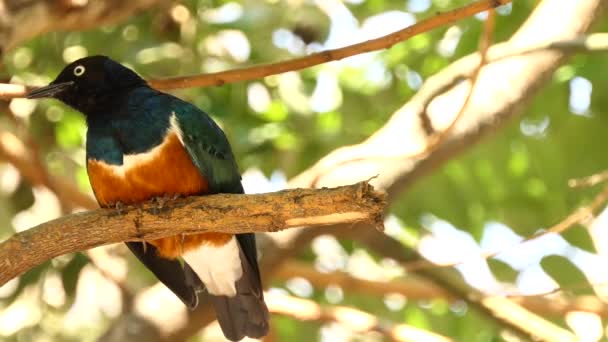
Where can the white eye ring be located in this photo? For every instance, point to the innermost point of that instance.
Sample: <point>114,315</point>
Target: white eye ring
<point>79,70</point>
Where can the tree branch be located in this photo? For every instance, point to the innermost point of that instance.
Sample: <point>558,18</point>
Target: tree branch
<point>503,311</point>
<point>226,213</point>
<point>594,42</point>
<point>357,320</point>
<point>413,287</point>
<point>385,42</point>
<point>22,20</point>
<point>15,152</point>
<point>498,80</point>
<point>8,91</point>
<point>578,216</point>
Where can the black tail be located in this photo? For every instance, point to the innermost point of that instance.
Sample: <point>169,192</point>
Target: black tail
<point>245,314</point>
<point>180,279</point>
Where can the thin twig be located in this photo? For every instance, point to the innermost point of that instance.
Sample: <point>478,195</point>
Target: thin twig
<point>589,181</point>
<point>438,139</point>
<point>384,42</point>
<point>11,91</point>
<point>8,91</point>
<point>484,44</point>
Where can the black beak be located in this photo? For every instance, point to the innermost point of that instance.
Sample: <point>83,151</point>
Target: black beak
<point>49,91</point>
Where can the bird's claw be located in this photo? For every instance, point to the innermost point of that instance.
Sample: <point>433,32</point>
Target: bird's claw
<point>161,201</point>
<point>119,207</point>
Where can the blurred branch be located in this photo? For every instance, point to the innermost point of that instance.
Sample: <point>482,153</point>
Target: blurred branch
<point>113,269</point>
<point>594,42</point>
<point>589,181</point>
<point>437,138</point>
<point>21,157</point>
<point>225,213</point>
<point>32,150</point>
<point>536,326</point>
<point>503,311</point>
<point>252,73</point>
<point>578,216</point>
<point>356,320</point>
<point>512,80</point>
<point>484,44</point>
<point>415,288</point>
<point>27,159</point>
<point>8,91</point>
<point>411,288</point>
<point>22,20</point>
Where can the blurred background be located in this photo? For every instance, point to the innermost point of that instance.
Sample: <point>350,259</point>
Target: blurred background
<point>469,253</point>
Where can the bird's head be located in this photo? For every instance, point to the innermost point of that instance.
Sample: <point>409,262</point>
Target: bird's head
<point>89,82</point>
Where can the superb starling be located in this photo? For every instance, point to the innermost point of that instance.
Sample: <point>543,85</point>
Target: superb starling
<point>144,144</point>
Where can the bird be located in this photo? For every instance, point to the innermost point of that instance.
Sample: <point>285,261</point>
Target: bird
<point>143,144</point>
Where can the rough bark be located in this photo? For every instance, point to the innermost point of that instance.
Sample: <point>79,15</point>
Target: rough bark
<point>22,20</point>
<point>225,213</point>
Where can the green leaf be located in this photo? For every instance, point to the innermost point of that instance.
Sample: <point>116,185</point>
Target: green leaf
<point>419,42</point>
<point>69,131</point>
<point>440,307</point>
<point>502,271</point>
<point>23,197</point>
<point>569,277</point>
<point>564,73</point>
<point>579,236</point>
<point>416,317</point>
<point>536,187</point>
<point>519,162</point>
<point>71,272</point>
<point>277,111</point>
<point>329,123</point>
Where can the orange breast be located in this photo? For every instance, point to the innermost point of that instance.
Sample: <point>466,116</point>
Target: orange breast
<point>165,170</point>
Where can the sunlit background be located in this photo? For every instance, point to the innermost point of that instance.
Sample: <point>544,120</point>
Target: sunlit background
<point>488,200</point>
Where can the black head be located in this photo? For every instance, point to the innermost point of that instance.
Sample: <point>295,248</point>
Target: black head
<point>89,82</point>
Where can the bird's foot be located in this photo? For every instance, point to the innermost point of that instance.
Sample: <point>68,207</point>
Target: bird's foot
<point>119,207</point>
<point>161,201</point>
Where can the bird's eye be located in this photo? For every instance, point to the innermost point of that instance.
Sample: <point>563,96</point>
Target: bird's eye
<point>79,70</point>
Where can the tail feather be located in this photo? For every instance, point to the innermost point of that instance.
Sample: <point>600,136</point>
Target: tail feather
<point>244,314</point>
<point>240,316</point>
<point>178,279</point>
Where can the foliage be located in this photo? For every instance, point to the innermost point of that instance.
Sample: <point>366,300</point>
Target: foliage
<point>490,198</point>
